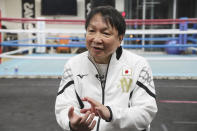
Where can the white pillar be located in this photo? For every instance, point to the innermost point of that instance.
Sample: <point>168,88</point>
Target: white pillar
<point>41,37</point>
<point>174,14</point>
<point>143,17</point>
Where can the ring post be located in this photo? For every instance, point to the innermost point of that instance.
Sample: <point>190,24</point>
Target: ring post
<point>0,38</point>
<point>183,26</point>
<point>194,35</point>
<point>41,37</point>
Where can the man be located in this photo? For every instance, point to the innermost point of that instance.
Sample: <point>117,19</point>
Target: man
<point>106,88</point>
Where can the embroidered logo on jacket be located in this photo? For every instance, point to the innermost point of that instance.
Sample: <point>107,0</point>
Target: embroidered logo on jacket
<point>125,84</point>
<point>146,77</point>
<point>81,76</point>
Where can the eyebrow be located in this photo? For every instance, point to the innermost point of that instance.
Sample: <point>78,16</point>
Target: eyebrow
<point>105,28</point>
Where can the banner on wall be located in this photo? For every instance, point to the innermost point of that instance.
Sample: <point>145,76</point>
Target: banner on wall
<point>87,7</point>
<point>28,11</point>
<point>94,3</point>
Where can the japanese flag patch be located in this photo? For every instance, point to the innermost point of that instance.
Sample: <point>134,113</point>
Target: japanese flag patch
<point>126,71</point>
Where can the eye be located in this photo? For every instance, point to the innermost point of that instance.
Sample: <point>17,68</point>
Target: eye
<point>90,30</point>
<point>106,33</point>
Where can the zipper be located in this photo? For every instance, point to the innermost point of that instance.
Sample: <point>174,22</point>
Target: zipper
<point>102,86</point>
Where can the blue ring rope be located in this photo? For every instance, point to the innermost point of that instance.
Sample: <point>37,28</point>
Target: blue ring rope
<point>125,39</point>
<point>82,45</point>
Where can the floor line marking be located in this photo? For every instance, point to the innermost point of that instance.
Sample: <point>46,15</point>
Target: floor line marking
<point>185,122</point>
<point>164,128</point>
<point>177,101</point>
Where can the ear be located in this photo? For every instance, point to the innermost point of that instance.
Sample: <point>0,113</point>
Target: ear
<point>120,38</point>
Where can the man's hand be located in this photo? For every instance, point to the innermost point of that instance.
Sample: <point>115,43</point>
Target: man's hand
<point>81,123</point>
<point>97,108</point>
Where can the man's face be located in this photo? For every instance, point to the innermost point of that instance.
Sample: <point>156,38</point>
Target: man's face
<point>101,39</point>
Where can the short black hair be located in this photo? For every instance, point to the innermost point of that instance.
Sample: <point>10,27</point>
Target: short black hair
<point>110,15</point>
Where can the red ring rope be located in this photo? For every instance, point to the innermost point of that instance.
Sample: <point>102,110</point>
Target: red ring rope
<point>128,21</point>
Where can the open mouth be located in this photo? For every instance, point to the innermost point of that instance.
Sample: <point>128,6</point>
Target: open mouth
<point>97,48</point>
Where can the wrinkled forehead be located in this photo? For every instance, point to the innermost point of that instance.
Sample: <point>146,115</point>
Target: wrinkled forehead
<point>105,19</point>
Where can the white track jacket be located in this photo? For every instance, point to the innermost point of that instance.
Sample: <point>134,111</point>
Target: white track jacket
<point>129,91</point>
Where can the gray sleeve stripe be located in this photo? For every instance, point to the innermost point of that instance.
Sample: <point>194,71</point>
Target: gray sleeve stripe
<point>67,85</point>
<point>146,89</point>
<point>78,98</point>
<point>80,101</point>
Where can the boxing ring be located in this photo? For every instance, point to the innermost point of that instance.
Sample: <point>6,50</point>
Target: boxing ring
<point>28,104</point>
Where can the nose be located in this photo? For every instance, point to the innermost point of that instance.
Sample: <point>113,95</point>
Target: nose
<point>97,38</point>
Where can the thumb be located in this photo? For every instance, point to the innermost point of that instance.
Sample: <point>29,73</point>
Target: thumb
<point>70,112</point>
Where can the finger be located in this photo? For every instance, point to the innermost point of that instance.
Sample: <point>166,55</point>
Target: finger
<point>74,118</point>
<point>91,101</point>
<point>93,110</point>
<point>92,125</point>
<point>78,120</point>
<point>70,112</point>
<point>90,119</point>
<point>84,99</point>
<point>85,117</point>
<point>84,110</point>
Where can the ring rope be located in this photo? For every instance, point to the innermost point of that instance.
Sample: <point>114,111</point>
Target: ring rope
<point>82,45</point>
<point>17,51</point>
<point>82,31</point>
<point>35,57</point>
<point>128,21</point>
<point>125,39</point>
<point>68,57</point>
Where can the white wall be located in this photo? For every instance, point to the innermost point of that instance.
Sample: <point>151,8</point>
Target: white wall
<point>11,9</point>
<point>120,5</point>
<point>2,7</point>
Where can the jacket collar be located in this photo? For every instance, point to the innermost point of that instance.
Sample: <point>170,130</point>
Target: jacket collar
<point>115,56</point>
<point>118,52</point>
